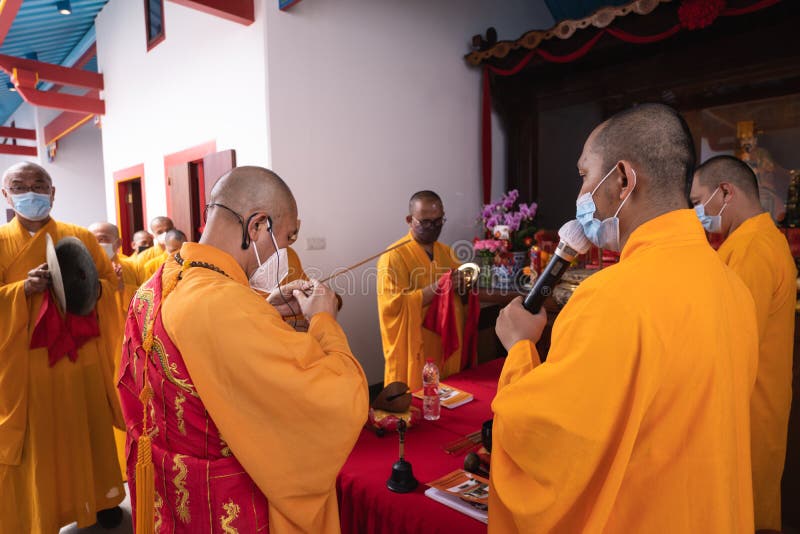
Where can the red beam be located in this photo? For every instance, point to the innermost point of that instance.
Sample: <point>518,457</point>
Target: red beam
<point>82,61</point>
<point>48,99</point>
<point>17,133</point>
<point>7,16</point>
<point>241,11</point>
<point>19,150</point>
<point>52,73</point>
<point>66,122</point>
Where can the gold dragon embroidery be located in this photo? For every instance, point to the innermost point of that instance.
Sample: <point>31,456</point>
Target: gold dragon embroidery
<point>179,400</point>
<point>180,489</point>
<point>171,369</point>
<point>226,451</point>
<point>232,512</point>
<point>159,503</point>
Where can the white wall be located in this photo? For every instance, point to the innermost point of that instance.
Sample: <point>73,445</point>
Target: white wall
<point>77,170</point>
<point>370,101</point>
<point>204,82</point>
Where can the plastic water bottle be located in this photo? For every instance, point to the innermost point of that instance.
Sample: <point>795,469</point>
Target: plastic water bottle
<point>430,391</point>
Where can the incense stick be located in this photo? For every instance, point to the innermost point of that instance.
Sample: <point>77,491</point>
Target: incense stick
<point>362,262</point>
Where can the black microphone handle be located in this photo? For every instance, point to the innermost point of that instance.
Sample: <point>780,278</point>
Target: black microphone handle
<point>545,283</point>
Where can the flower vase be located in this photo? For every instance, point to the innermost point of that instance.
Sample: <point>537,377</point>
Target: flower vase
<point>520,262</point>
<point>485,277</point>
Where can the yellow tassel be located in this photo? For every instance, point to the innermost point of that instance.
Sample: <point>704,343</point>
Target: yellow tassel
<point>145,478</point>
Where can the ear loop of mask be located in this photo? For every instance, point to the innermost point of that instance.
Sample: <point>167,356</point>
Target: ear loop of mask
<point>635,181</point>
<point>724,204</point>
<point>278,273</point>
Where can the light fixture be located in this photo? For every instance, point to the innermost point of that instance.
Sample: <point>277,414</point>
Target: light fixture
<point>64,7</point>
<point>11,87</point>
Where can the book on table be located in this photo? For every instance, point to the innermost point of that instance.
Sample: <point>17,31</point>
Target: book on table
<point>462,491</point>
<point>449,396</point>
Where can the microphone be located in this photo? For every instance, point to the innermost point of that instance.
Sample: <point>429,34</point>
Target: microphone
<point>573,243</point>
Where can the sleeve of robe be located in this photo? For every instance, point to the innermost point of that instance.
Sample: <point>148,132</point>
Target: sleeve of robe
<point>755,270</point>
<point>400,315</point>
<point>290,405</point>
<point>556,422</point>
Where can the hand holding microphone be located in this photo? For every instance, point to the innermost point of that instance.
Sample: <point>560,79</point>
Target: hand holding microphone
<point>525,319</point>
<point>572,243</point>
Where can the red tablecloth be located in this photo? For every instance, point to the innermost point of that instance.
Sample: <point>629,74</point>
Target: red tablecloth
<point>366,505</point>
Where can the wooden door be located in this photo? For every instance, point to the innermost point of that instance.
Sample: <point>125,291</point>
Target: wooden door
<point>180,197</point>
<point>214,167</point>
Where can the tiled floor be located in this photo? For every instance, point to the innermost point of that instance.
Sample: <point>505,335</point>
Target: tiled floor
<point>125,528</point>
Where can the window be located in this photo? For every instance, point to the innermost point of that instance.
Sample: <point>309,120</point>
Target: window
<point>154,22</point>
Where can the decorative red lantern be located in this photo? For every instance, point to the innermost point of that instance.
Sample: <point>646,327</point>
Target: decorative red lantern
<point>697,14</point>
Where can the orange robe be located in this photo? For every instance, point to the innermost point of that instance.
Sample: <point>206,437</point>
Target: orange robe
<point>58,462</point>
<point>290,405</point>
<point>402,274</point>
<point>148,254</point>
<point>638,421</point>
<point>760,255</point>
<point>152,265</point>
<point>132,275</point>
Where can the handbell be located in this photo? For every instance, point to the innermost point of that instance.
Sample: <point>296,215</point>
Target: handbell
<point>471,272</point>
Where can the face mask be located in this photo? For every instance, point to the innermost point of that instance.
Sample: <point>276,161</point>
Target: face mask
<point>141,248</point>
<point>108,248</point>
<point>712,223</point>
<point>272,272</point>
<point>605,233</point>
<point>161,238</point>
<point>32,206</point>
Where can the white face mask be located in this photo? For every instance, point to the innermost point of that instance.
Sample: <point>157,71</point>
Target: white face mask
<point>161,238</point>
<point>272,272</point>
<point>108,248</point>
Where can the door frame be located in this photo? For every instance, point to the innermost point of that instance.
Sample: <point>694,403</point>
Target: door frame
<point>127,175</point>
<point>186,156</point>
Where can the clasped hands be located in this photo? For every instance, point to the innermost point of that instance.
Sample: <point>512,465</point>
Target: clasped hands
<point>304,297</point>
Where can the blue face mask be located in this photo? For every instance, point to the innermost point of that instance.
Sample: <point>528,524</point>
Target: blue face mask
<point>32,206</point>
<point>605,233</point>
<point>712,223</point>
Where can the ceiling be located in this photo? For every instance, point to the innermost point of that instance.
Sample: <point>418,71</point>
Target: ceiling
<point>55,38</point>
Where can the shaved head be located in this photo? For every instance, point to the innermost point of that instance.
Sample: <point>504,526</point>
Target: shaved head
<point>424,196</point>
<point>249,189</point>
<point>657,142</point>
<point>728,169</point>
<point>143,235</point>
<point>26,169</point>
<point>174,240</point>
<point>161,224</point>
<point>105,228</point>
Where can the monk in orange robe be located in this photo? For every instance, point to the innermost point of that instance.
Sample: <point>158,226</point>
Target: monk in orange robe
<point>754,248</point>
<point>407,281</point>
<point>250,421</point>
<point>173,241</point>
<point>638,421</point>
<point>142,240</point>
<point>159,226</point>
<point>58,462</point>
<point>129,278</point>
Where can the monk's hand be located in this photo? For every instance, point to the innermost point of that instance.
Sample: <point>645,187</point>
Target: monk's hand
<point>515,323</point>
<point>320,298</point>
<point>282,298</point>
<point>38,280</point>
<point>118,272</point>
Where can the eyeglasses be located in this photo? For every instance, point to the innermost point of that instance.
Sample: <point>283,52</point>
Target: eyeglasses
<point>430,223</point>
<point>42,189</point>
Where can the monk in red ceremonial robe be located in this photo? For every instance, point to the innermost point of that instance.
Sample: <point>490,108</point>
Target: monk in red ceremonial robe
<point>249,421</point>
